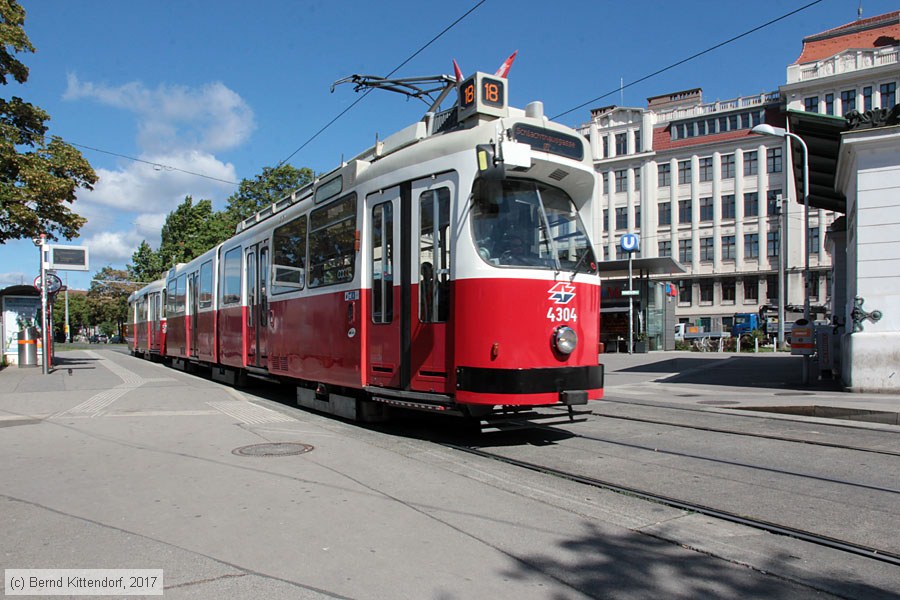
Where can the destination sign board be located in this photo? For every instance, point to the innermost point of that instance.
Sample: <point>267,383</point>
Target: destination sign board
<point>546,140</point>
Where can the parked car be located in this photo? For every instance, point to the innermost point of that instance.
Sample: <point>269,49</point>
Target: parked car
<point>100,338</point>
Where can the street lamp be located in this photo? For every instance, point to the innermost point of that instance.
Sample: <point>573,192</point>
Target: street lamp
<point>780,132</point>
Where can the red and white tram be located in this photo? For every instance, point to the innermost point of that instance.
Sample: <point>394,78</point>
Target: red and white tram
<point>145,332</point>
<point>447,268</point>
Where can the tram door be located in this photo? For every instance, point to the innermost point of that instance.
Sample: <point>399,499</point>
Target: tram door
<point>193,280</point>
<point>154,327</point>
<point>409,307</point>
<point>384,319</point>
<point>429,293</point>
<point>257,282</point>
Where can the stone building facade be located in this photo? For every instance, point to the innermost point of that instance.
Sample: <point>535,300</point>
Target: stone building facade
<point>690,177</point>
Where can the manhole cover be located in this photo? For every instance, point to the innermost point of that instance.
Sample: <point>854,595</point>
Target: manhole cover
<point>688,395</point>
<point>717,402</point>
<point>274,449</point>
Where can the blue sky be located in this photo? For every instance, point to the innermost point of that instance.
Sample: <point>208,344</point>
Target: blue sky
<point>225,87</point>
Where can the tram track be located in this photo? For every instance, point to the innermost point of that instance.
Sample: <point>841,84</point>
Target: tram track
<point>732,517</point>
<point>742,432</point>
<point>764,436</point>
<point>680,454</point>
<point>756,415</point>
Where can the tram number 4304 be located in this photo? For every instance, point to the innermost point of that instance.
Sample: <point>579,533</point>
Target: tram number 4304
<point>563,315</point>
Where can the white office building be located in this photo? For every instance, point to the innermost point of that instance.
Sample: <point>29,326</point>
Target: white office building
<point>690,177</point>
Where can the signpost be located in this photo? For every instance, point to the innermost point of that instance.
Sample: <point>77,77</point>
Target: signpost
<point>62,258</point>
<point>630,243</point>
<point>54,283</point>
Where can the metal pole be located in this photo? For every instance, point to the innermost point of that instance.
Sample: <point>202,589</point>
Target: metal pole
<point>804,237</point>
<point>782,211</point>
<point>68,335</point>
<point>44,353</point>
<point>630,309</point>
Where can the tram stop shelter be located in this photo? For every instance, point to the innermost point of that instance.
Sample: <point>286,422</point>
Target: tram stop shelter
<point>653,310</point>
<point>21,307</point>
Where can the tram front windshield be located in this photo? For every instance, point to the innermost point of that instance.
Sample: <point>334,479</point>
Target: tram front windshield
<point>522,223</point>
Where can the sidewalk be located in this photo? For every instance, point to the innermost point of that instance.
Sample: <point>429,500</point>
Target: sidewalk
<point>114,463</point>
<point>733,380</point>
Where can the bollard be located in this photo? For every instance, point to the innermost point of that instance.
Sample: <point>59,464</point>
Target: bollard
<point>28,355</point>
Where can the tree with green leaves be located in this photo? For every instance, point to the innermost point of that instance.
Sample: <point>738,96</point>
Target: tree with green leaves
<point>190,230</point>
<point>79,313</point>
<point>39,177</point>
<point>146,264</point>
<point>108,297</point>
<point>271,185</point>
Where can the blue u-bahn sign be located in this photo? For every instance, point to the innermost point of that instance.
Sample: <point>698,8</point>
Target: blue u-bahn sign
<point>630,242</point>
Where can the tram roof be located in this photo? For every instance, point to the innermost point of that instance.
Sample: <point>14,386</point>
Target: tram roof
<point>661,265</point>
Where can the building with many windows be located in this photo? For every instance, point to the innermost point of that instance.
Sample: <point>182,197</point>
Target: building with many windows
<point>690,177</point>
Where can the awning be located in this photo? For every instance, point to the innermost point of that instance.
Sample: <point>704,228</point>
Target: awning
<point>640,266</point>
<point>822,134</point>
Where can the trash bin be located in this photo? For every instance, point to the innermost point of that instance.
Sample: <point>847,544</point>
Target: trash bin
<point>802,339</point>
<point>28,354</point>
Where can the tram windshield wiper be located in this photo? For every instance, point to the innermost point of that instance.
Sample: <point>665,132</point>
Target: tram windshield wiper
<point>587,251</point>
<point>545,228</point>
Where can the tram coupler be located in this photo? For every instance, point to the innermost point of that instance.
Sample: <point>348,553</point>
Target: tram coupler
<point>572,398</point>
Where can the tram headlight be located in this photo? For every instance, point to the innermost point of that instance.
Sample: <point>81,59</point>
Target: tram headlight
<point>565,339</point>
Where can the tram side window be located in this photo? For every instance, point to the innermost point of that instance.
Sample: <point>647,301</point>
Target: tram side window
<point>332,232</point>
<point>206,285</point>
<point>383,263</point>
<point>170,297</point>
<point>231,276</point>
<point>434,256</point>
<point>181,296</point>
<point>289,262</point>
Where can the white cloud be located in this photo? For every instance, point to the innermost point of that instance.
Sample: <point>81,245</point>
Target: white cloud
<point>131,205</point>
<point>178,131</point>
<point>210,118</point>
<point>149,226</point>
<point>14,278</point>
<point>162,186</point>
<point>111,248</point>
